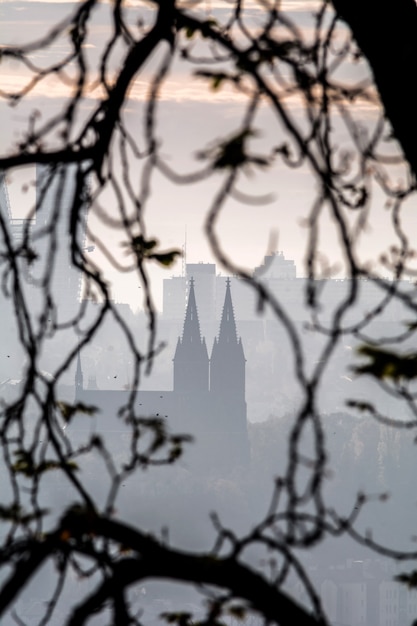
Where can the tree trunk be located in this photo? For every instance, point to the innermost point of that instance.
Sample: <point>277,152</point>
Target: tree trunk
<point>386,32</point>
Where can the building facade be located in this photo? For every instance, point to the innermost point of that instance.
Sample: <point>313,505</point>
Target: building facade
<point>207,400</point>
<point>42,240</point>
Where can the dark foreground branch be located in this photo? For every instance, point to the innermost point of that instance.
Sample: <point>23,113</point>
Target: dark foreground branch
<point>78,533</point>
<point>386,37</point>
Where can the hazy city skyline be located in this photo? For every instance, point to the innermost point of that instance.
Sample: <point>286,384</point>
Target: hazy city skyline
<point>251,447</point>
<point>177,213</point>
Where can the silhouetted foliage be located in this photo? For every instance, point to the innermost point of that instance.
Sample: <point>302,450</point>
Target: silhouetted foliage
<point>298,66</point>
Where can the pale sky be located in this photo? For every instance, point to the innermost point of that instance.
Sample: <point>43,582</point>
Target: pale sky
<point>191,116</point>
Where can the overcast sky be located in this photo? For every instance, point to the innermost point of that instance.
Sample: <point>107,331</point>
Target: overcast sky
<point>190,117</point>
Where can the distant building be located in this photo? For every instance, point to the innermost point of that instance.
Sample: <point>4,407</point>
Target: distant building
<point>176,288</point>
<point>362,593</point>
<point>56,194</point>
<point>19,228</point>
<point>276,266</point>
<point>207,399</point>
<point>42,241</point>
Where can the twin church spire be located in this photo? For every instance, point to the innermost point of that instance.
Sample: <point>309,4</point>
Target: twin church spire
<point>228,334</point>
<point>227,364</point>
<point>191,333</point>
<point>194,373</point>
<point>208,399</point>
<point>225,372</point>
<point>191,362</point>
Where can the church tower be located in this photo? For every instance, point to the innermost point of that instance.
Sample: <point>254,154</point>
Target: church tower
<point>227,389</point>
<point>227,365</point>
<point>191,363</point>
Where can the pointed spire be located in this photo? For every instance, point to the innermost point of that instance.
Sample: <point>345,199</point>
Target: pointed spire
<point>228,333</point>
<point>227,363</point>
<point>191,362</point>
<point>78,374</point>
<point>191,332</point>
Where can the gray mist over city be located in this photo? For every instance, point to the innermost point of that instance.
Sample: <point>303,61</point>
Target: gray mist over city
<point>208,298</point>
<point>223,380</point>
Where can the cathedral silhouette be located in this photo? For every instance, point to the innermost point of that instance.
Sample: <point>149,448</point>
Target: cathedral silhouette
<point>207,400</point>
